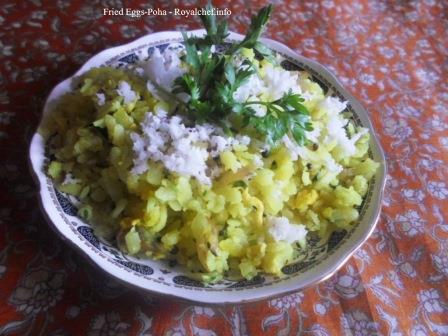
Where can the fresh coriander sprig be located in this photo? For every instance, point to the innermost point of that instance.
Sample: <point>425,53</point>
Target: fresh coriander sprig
<point>256,28</point>
<point>283,115</point>
<point>213,79</point>
<point>216,32</point>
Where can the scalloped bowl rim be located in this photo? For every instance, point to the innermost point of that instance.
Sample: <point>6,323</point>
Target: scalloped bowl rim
<point>298,282</point>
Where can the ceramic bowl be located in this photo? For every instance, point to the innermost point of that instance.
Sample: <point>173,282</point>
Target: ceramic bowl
<point>318,263</point>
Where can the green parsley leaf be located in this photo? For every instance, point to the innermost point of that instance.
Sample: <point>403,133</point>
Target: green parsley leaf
<point>209,21</point>
<point>230,73</point>
<point>256,27</point>
<point>265,52</point>
<point>192,57</point>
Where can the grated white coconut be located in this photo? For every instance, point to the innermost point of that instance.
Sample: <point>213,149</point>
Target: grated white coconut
<point>101,98</point>
<point>297,151</point>
<point>279,81</point>
<point>335,126</point>
<point>163,68</point>
<point>282,230</point>
<point>181,149</point>
<point>125,90</point>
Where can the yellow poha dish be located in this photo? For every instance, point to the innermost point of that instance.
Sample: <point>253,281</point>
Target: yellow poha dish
<point>214,230</point>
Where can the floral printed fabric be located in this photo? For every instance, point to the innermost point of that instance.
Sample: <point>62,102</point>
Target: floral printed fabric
<point>392,55</point>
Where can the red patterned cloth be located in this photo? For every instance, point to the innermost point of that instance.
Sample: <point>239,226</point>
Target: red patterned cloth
<point>392,55</point>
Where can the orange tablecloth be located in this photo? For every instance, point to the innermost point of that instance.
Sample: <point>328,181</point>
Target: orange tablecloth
<point>392,55</point>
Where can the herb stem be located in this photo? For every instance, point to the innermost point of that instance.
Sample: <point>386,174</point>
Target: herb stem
<point>253,102</point>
